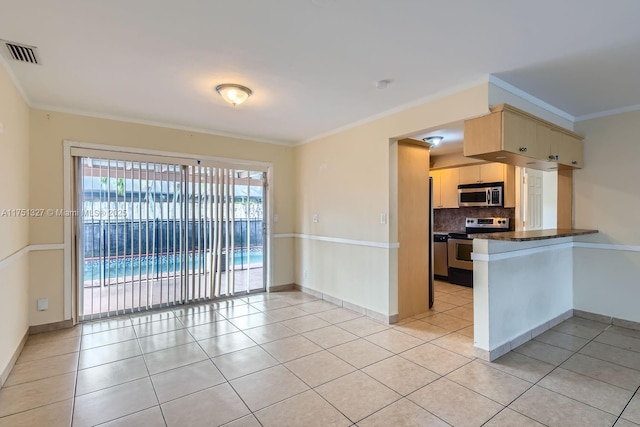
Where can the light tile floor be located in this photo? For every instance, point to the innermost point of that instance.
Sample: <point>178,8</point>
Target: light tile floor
<point>289,359</point>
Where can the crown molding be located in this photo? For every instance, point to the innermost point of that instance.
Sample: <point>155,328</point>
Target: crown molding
<point>438,95</point>
<point>114,117</point>
<point>607,113</point>
<point>528,97</point>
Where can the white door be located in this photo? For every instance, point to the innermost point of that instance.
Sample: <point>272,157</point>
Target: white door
<point>532,199</point>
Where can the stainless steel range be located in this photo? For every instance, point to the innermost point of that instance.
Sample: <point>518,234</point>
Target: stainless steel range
<point>460,247</point>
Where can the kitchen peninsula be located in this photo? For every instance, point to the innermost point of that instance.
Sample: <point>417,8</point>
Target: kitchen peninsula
<point>523,285</point>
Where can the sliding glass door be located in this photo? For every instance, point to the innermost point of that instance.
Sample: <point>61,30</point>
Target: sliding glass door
<point>158,234</point>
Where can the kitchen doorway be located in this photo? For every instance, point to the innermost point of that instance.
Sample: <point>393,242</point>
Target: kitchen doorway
<point>538,202</point>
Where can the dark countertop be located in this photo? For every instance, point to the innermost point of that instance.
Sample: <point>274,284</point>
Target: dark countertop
<point>447,232</point>
<point>525,236</point>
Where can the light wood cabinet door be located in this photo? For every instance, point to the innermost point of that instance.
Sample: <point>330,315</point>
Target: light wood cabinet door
<point>487,172</point>
<point>519,135</point>
<point>436,188</point>
<point>469,174</point>
<point>565,149</point>
<point>519,138</point>
<point>483,135</point>
<point>570,151</point>
<point>546,141</point>
<point>492,172</point>
<point>449,180</point>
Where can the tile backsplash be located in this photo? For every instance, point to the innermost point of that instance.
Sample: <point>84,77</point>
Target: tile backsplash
<point>453,219</point>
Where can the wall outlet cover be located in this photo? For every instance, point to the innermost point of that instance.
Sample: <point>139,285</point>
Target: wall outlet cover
<point>43,304</point>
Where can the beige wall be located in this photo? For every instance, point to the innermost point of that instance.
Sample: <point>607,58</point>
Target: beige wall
<point>14,231</point>
<point>348,179</point>
<point>50,129</point>
<point>606,192</point>
<point>606,197</point>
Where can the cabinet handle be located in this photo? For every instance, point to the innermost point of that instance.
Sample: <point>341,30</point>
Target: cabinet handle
<point>523,149</point>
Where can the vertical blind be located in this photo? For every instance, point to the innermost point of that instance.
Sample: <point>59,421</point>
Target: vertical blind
<point>158,234</point>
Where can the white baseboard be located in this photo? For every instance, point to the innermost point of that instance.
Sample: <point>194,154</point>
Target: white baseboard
<point>501,350</point>
<point>629,324</point>
<point>347,305</point>
<point>7,369</point>
<point>280,288</point>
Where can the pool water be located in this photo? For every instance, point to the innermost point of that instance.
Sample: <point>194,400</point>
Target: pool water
<point>156,265</point>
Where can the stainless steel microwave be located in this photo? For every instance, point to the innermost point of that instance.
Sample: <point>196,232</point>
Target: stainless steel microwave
<point>484,194</point>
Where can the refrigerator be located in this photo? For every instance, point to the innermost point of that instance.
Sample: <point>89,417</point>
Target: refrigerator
<point>431,249</point>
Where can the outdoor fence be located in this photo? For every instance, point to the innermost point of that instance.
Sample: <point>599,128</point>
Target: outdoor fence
<point>127,238</point>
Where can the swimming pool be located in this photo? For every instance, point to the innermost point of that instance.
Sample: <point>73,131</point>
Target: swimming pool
<point>156,265</point>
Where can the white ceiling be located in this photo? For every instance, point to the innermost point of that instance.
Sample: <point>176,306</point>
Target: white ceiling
<point>313,64</point>
<point>452,138</point>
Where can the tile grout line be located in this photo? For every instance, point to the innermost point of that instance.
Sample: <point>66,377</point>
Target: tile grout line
<point>227,381</point>
<point>554,369</point>
<point>366,338</point>
<point>327,349</point>
<point>625,406</point>
<point>144,360</point>
<point>75,383</point>
<point>593,357</point>
<point>75,372</point>
<point>537,382</point>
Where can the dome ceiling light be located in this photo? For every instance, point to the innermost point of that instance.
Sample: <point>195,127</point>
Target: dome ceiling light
<point>234,94</point>
<point>433,140</point>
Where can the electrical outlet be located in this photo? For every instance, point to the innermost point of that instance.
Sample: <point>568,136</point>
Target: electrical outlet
<point>43,304</point>
<point>383,218</point>
<point>1,127</point>
<point>306,274</point>
<point>315,218</point>
<point>275,218</point>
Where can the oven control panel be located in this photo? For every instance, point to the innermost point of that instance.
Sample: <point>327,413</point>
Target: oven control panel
<point>489,223</point>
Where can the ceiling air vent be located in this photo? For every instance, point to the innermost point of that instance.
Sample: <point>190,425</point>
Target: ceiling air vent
<point>20,52</point>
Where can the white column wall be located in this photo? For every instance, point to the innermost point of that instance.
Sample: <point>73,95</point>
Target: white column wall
<point>519,288</point>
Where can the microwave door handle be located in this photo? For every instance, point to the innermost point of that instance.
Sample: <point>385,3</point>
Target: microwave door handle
<point>489,196</point>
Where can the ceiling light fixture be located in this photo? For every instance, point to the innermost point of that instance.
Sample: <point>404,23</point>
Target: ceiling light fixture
<point>234,94</point>
<point>433,140</point>
<point>383,84</point>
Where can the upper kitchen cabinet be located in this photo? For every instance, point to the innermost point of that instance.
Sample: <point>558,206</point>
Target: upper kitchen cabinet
<point>445,188</point>
<point>489,172</point>
<point>512,136</point>
<point>565,149</point>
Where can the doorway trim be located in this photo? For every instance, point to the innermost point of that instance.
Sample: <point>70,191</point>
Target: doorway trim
<point>70,298</point>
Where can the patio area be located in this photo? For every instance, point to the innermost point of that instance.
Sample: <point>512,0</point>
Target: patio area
<point>129,296</point>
